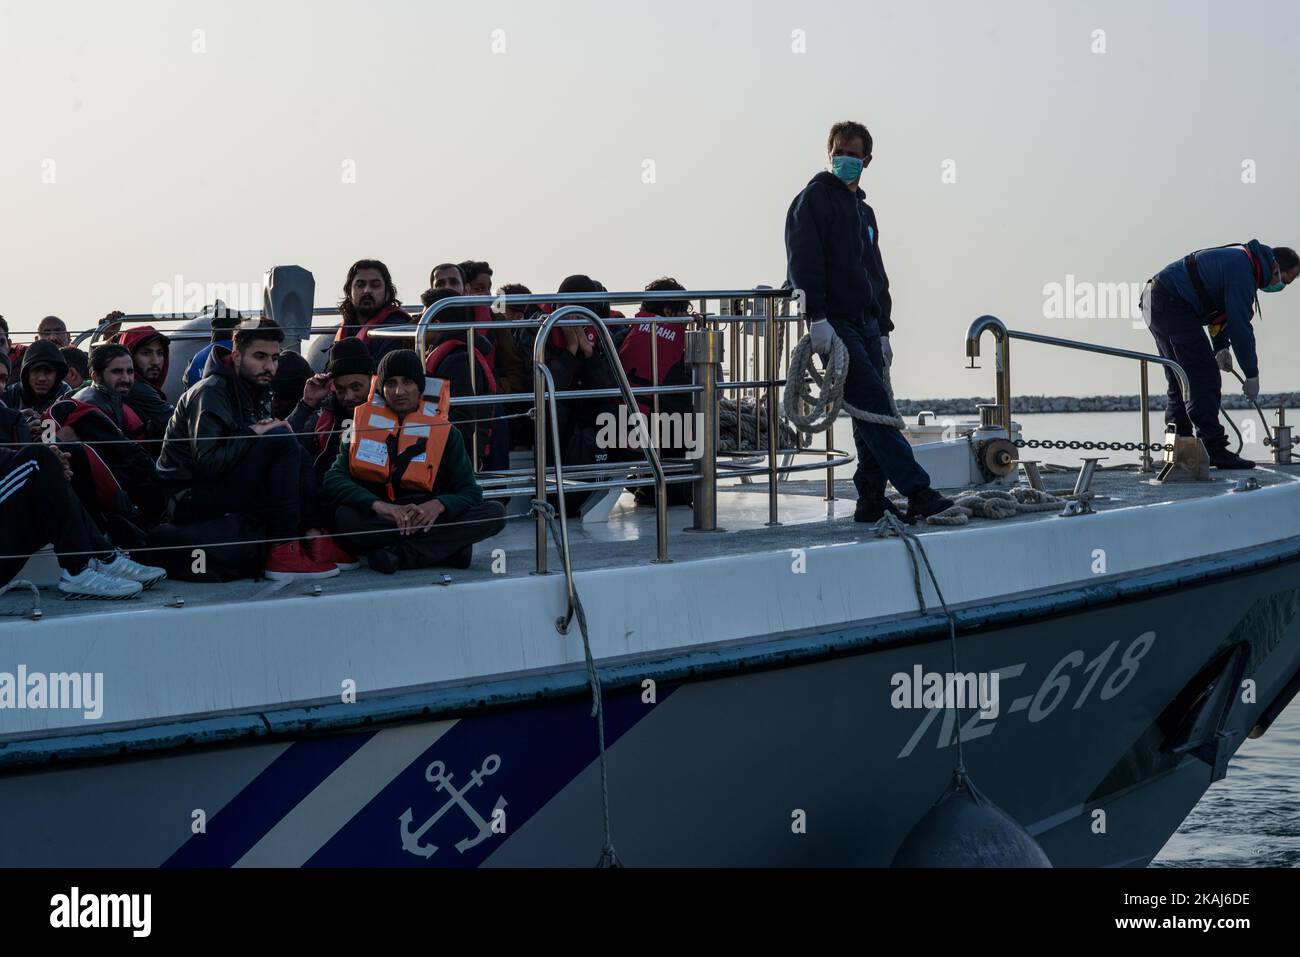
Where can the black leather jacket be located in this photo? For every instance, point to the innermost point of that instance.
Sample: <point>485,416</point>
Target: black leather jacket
<point>196,449</point>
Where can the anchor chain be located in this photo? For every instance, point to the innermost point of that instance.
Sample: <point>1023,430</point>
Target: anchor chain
<point>1075,445</point>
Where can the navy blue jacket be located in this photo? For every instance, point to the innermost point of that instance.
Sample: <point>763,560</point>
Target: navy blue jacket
<point>833,254</point>
<point>1231,279</point>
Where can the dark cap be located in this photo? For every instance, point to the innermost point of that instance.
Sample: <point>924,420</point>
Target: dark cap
<point>349,357</point>
<point>403,362</point>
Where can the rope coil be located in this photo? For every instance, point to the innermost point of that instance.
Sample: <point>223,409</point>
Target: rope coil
<point>824,410</point>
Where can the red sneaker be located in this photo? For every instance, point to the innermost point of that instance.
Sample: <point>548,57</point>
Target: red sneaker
<point>323,549</point>
<point>286,561</point>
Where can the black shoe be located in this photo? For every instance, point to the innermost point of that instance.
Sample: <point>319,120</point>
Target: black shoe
<point>925,503</point>
<point>462,558</point>
<point>1223,459</point>
<point>872,508</point>
<point>384,560</point>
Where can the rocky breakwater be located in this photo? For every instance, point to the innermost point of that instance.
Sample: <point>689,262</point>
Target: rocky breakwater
<point>1074,403</point>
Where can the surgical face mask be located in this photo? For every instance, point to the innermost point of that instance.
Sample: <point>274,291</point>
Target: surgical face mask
<point>846,168</point>
<point>1275,287</point>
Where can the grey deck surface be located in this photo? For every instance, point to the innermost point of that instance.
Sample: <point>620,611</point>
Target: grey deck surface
<point>628,538</point>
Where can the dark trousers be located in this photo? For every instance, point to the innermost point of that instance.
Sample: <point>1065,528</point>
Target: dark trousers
<point>883,453</point>
<point>1179,335</point>
<point>361,532</point>
<point>274,483</point>
<point>38,508</point>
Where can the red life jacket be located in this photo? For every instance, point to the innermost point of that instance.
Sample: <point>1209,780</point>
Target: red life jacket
<point>372,323</point>
<point>324,428</point>
<point>132,424</point>
<point>488,378</point>
<point>447,347</point>
<point>101,476</point>
<point>636,353</point>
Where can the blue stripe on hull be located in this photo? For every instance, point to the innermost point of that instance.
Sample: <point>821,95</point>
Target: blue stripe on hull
<point>271,795</point>
<point>532,770</point>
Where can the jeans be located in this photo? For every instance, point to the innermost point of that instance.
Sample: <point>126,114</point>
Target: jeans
<point>883,453</point>
<point>38,508</point>
<point>274,482</point>
<point>1179,335</point>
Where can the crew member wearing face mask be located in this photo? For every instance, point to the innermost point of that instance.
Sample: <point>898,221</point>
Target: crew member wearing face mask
<point>1216,288</point>
<point>833,258</point>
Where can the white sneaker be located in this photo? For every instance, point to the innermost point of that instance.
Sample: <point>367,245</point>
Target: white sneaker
<point>122,567</point>
<point>92,582</point>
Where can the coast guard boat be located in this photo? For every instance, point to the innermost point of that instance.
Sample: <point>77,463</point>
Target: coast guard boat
<point>711,685</point>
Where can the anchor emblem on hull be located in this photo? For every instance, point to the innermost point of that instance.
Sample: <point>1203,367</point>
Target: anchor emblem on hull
<point>436,773</point>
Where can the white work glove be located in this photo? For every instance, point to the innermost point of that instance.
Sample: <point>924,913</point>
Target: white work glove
<point>1251,388</point>
<point>822,335</point>
<point>1224,358</point>
<point>888,350</point>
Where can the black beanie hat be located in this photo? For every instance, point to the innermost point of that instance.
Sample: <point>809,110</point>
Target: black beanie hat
<point>349,357</point>
<point>292,368</point>
<point>403,362</point>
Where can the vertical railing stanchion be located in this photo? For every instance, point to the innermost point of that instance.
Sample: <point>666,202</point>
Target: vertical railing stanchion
<point>539,444</point>
<point>704,354</point>
<point>769,333</point>
<point>473,390</point>
<point>1144,402</point>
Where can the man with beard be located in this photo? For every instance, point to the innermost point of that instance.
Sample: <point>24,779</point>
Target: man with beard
<point>225,454</point>
<point>369,301</point>
<point>150,352</point>
<point>112,374</point>
<point>224,323</point>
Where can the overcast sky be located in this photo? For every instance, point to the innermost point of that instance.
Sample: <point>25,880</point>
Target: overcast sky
<point>136,150</point>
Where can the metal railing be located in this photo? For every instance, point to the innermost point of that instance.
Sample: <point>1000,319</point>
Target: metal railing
<point>1003,336</point>
<point>751,321</point>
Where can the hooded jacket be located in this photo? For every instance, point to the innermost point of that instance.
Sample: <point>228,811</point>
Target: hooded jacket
<point>133,339</point>
<point>19,394</point>
<point>832,254</point>
<point>1231,280</point>
<point>219,405</point>
<point>149,403</point>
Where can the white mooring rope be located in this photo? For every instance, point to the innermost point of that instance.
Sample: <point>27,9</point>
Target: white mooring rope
<point>825,408</point>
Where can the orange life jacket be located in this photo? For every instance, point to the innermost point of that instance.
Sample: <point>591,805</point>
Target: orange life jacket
<point>403,454</point>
